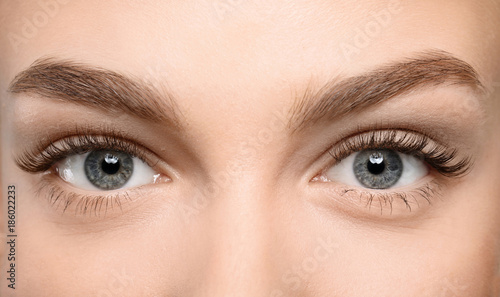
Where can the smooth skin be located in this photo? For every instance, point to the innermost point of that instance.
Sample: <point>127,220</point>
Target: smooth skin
<point>240,215</point>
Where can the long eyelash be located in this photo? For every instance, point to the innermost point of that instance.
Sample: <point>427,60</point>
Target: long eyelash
<point>441,158</point>
<point>44,156</point>
<point>81,140</point>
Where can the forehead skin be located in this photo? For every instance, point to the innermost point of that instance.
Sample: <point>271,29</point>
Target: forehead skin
<point>233,63</point>
<point>205,48</point>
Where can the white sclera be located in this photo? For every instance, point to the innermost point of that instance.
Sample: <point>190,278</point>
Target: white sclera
<point>72,170</point>
<point>413,170</point>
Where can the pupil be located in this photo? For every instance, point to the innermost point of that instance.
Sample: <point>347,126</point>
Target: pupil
<point>376,164</point>
<point>110,164</point>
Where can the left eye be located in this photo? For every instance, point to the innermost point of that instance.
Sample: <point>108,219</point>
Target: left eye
<point>378,169</point>
<point>105,170</point>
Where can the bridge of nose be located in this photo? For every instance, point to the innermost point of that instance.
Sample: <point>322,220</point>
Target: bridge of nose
<point>243,252</point>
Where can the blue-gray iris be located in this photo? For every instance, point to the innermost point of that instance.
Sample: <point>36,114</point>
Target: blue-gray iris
<point>378,169</point>
<point>107,169</point>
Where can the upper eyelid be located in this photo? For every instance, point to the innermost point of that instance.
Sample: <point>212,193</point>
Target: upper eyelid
<point>37,159</point>
<point>378,137</point>
<point>440,154</point>
<point>28,160</point>
<point>394,133</point>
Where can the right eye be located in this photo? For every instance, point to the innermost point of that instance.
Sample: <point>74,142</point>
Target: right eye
<point>105,170</point>
<point>378,169</point>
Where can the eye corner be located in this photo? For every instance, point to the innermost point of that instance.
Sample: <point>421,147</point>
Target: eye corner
<point>320,177</point>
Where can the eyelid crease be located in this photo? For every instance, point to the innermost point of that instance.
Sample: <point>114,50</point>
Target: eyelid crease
<point>437,155</point>
<point>48,152</point>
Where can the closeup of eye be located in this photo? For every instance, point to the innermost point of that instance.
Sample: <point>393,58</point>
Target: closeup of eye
<point>105,170</point>
<point>90,173</point>
<point>378,169</point>
<point>387,166</point>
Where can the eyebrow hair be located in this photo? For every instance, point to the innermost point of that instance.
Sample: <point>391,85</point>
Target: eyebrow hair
<point>338,98</point>
<point>105,89</point>
<point>96,87</point>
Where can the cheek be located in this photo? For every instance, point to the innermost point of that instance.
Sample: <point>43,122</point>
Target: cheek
<point>55,263</point>
<point>66,265</point>
<point>452,252</point>
<point>417,267</point>
<point>137,256</point>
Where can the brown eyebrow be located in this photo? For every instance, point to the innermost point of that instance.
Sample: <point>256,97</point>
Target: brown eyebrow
<point>338,98</point>
<point>96,87</point>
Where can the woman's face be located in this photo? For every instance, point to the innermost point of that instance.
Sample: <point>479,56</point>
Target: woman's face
<point>251,148</point>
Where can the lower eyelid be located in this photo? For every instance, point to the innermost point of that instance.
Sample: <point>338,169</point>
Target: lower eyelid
<point>389,204</point>
<point>66,200</point>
